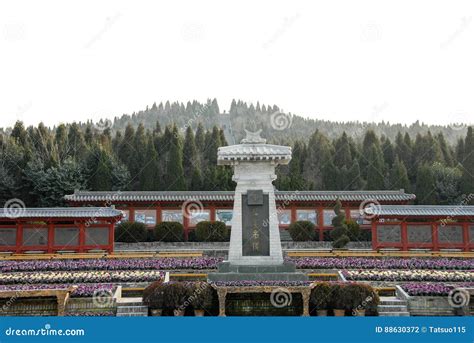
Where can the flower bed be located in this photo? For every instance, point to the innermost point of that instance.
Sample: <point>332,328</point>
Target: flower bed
<point>80,277</point>
<point>383,263</point>
<point>110,264</point>
<point>431,289</point>
<point>409,275</point>
<point>82,290</point>
<point>245,283</point>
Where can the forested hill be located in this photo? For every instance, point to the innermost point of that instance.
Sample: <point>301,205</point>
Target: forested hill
<point>278,127</point>
<point>160,151</point>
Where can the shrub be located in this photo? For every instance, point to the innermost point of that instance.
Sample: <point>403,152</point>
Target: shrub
<point>153,295</point>
<point>212,232</point>
<point>353,230</point>
<point>201,295</point>
<point>302,230</point>
<point>341,242</point>
<point>321,295</point>
<point>169,232</point>
<point>337,297</point>
<point>339,233</point>
<point>175,294</point>
<point>361,296</point>
<point>130,232</point>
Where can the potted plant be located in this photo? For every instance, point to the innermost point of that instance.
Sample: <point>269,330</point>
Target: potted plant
<point>174,297</point>
<point>201,297</point>
<point>338,300</point>
<point>153,298</point>
<point>320,298</point>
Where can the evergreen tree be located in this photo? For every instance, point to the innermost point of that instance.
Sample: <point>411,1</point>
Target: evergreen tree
<point>174,176</point>
<point>425,185</point>
<point>150,176</point>
<point>467,181</point>
<point>375,169</point>
<point>189,157</point>
<point>399,176</point>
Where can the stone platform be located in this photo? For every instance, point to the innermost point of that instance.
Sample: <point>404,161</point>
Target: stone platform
<point>231,272</point>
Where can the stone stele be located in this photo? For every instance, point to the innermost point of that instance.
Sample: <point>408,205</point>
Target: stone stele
<point>255,248</point>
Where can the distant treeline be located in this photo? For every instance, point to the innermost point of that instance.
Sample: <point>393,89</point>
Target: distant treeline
<point>40,164</point>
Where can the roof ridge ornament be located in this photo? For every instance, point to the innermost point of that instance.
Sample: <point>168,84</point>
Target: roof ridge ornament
<point>253,137</point>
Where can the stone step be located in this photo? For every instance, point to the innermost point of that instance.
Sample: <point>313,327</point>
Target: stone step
<point>285,236</point>
<point>394,302</point>
<point>134,314</point>
<point>392,308</point>
<point>394,314</point>
<point>131,309</point>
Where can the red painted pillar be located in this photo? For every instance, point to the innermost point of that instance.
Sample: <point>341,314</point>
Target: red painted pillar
<point>110,248</point>
<point>404,236</point>
<point>82,237</point>
<point>159,217</point>
<point>131,214</point>
<point>50,237</point>
<point>465,235</point>
<point>212,213</point>
<point>320,223</point>
<point>434,236</point>
<point>186,224</point>
<point>374,234</point>
<point>19,237</point>
<point>293,214</point>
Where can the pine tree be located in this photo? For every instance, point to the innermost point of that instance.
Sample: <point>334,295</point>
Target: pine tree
<point>174,176</point>
<point>467,181</point>
<point>425,185</point>
<point>189,157</point>
<point>399,176</point>
<point>150,176</point>
<point>375,169</point>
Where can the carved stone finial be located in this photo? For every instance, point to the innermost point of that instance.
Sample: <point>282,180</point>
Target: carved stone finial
<point>253,138</point>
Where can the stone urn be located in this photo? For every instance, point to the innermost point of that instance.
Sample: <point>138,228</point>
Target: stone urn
<point>199,313</point>
<point>322,313</point>
<point>339,313</point>
<point>156,312</point>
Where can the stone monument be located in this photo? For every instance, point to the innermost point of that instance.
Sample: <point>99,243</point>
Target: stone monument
<point>255,248</point>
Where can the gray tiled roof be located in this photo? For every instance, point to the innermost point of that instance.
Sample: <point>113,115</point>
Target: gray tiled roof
<point>113,197</point>
<point>59,212</point>
<point>420,210</point>
<point>253,152</point>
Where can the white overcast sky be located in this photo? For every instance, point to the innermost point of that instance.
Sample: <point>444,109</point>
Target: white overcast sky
<point>398,61</point>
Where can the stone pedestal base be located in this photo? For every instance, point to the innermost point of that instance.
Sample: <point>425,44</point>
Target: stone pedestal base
<point>231,272</point>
